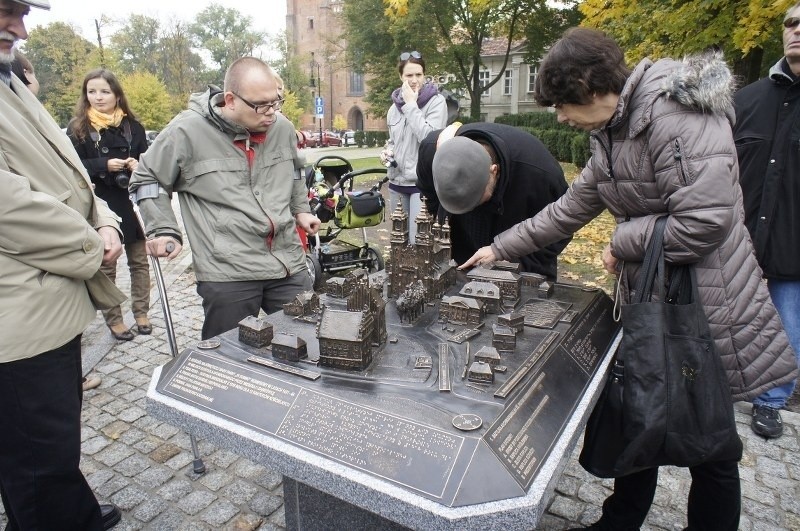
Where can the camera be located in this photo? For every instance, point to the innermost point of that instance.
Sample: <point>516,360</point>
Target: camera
<point>119,179</point>
<point>390,162</point>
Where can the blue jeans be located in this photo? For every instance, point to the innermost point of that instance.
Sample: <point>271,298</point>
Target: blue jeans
<point>786,297</point>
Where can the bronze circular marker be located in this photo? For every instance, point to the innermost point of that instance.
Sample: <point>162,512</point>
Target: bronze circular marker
<point>208,344</point>
<point>467,421</point>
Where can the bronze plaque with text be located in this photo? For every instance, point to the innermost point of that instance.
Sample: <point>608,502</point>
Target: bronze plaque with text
<point>402,420</point>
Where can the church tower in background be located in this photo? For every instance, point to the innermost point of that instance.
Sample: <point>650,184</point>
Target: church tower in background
<point>315,33</point>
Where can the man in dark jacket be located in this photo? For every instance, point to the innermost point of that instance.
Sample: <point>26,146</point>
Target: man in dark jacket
<point>766,133</point>
<point>485,178</point>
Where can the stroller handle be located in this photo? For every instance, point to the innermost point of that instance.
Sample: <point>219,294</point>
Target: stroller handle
<point>350,175</point>
<point>340,184</point>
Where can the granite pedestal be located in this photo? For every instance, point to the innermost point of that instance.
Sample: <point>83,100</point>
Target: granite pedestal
<point>409,442</point>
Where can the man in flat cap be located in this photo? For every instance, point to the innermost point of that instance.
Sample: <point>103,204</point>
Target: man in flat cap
<point>485,178</point>
<point>55,235</point>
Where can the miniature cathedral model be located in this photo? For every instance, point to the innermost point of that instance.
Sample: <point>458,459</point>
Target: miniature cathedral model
<point>427,260</point>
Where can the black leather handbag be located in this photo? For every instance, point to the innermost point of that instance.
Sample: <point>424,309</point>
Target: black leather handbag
<point>667,400</point>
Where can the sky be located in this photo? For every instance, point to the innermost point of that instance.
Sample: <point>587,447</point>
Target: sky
<point>268,16</point>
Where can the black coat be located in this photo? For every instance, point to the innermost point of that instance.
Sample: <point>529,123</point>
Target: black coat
<point>767,135</point>
<point>113,144</point>
<point>530,179</point>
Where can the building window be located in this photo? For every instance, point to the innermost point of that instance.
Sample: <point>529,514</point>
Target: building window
<point>508,81</point>
<point>311,23</point>
<point>483,79</point>
<point>356,84</point>
<point>533,70</point>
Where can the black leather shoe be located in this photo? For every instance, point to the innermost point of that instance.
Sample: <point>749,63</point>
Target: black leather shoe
<point>145,330</point>
<point>111,515</point>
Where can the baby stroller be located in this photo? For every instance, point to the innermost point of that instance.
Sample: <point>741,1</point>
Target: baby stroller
<point>332,199</point>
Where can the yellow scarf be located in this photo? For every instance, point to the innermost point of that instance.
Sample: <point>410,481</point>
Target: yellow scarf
<point>101,120</point>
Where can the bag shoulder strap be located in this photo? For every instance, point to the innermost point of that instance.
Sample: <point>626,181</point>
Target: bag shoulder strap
<point>653,263</point>
<point>126,131</point>
<point>682,285</point>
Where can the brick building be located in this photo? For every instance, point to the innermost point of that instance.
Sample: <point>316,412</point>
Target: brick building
<point>314,30</point>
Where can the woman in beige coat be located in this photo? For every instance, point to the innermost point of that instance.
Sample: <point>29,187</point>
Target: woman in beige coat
<point>662,145</point>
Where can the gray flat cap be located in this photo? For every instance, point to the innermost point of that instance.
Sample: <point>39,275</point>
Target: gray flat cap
<point>460,174</point>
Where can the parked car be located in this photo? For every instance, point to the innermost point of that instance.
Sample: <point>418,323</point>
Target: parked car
<point>349,138</point>
<point>310,138</point>
<point>302,138</point>
<point>329,138</point>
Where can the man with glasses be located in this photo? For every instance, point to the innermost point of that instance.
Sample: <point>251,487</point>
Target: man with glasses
<point>233,160</point>
<point>767,135</point>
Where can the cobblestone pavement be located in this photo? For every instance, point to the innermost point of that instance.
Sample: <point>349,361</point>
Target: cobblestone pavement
<point>144,465</point>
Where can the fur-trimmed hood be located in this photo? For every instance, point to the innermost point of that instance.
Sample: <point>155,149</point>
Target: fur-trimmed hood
<point>703,82</point>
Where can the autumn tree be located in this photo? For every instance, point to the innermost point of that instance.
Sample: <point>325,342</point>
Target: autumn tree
<point>374,43</point>
<point>339,123</point>
<point>148,98</point>
<point>61,58</point>
<point>138,44</point>
<point>748,32</point>
<point>291,109</point>
<point>226,34</point>
<point>181,68</point>
<point>293,71</point>
<point>449,32</point>
<point>545,23</point>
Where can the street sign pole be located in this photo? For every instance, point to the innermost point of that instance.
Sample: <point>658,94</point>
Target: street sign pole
<point>319,104</point>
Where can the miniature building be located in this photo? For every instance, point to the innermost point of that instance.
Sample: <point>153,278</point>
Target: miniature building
<point>304,303</point>
<point>370,297</point>
<point>505,265</point>
<point>488,355</point>
<point>334,287</point>
<point>255,332</point>
<point>342,287</point>
<point>513,320</point>
<point>461,310</point>
<point>480,372</point>
<point>380,279</point>
<point>428,260</point>
<point>503,338</point>
<point>532,279</point>
<point>544,290</point>
<point>289,347</point>
<point>486,292</point>
<point>345,339</point>
<point>508,282</point>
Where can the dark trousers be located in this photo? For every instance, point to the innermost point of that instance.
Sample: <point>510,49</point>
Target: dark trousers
<point>715,500</point>
<point>40,444</point>
<point>227,303</point>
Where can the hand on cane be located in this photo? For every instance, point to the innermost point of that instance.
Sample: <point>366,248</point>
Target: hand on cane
<point>164,246</point>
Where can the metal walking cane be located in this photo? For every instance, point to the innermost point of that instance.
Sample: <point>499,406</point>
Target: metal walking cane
<point>198,467</point>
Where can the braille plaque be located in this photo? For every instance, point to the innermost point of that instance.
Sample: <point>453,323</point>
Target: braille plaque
<point>472,443</point>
